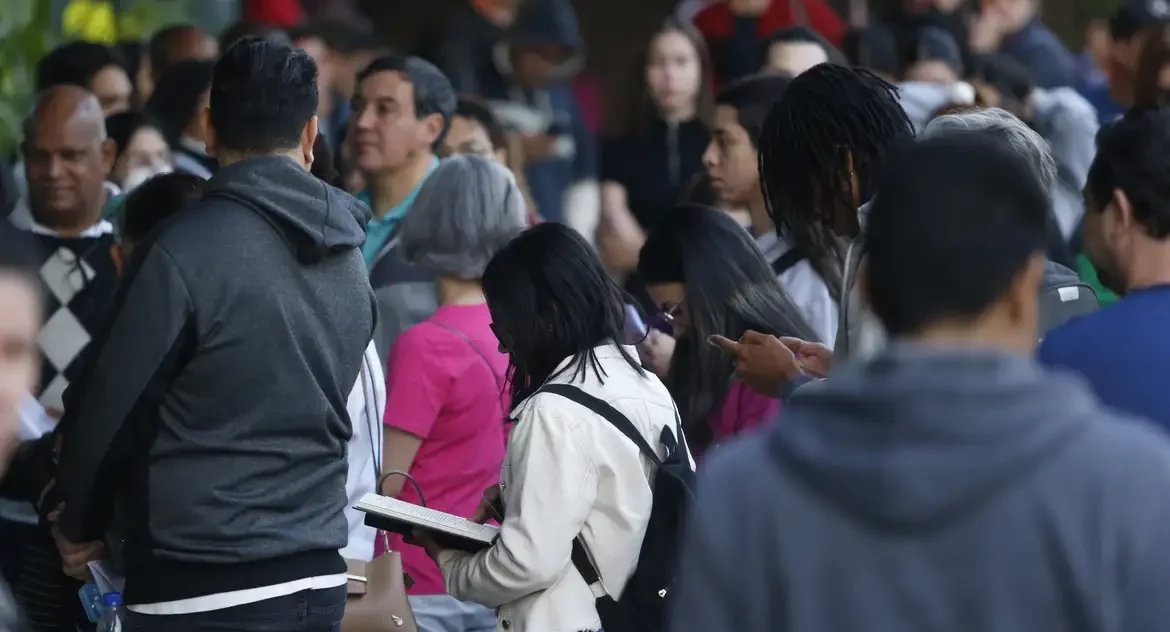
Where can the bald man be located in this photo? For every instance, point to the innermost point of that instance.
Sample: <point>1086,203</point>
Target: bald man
<point>67,158</point>
<point>172,45</point>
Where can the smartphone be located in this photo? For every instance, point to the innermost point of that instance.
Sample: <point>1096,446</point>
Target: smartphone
<point>634,330</point>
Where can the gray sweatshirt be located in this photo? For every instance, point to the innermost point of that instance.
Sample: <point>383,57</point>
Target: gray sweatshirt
<point>930,490</point>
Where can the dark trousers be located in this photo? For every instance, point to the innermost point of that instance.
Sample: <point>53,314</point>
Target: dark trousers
<point>14,537</point>
<point>307,611</point>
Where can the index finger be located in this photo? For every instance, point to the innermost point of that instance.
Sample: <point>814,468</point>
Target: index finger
<point>798,345</point>
<point>754,337</point>
<point>728,346</point>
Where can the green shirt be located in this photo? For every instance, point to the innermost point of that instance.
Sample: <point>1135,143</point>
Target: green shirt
<point>380,229</point>
<point>1088,274</point>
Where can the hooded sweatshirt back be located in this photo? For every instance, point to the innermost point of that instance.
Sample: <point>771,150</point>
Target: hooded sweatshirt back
<point>214,411</point>
<point>929,490</point>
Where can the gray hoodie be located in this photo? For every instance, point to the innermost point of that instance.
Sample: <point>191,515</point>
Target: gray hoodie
<point>931,490</point>
<point>213,410</point>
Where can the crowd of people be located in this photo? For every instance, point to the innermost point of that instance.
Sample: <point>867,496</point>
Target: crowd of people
<point>894,295</point>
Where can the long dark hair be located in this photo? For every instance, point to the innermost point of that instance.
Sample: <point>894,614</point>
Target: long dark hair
<point>645,111</point>
<point>551,300</point>
<point>829,115</point>
<point>730,289</point>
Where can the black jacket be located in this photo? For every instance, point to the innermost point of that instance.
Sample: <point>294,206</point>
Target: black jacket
<point>212,408</point>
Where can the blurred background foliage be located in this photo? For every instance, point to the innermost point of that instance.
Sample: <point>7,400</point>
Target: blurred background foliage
<point>30,28</point>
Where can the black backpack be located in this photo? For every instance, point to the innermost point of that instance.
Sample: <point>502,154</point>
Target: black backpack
<point>643,605</point>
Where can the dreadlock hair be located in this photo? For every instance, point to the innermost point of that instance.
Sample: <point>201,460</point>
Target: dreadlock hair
<point>831,119</point>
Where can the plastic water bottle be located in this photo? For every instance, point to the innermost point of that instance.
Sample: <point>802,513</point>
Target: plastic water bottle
<point>112,619</point>
<point>92,602</point>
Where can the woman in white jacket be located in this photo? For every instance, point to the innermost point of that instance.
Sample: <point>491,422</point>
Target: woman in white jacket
<point>568,472</point>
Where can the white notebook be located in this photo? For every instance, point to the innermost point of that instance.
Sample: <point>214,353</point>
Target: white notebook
<point>396,516</point>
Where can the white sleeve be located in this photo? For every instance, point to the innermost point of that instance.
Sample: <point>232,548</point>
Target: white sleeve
<point>549,486</point>
<point>34,421</point>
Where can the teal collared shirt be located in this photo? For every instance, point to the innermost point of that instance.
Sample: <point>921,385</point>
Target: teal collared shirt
<point>379,230</point>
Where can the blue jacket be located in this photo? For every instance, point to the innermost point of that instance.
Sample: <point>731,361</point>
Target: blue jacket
<point>1040,51</point>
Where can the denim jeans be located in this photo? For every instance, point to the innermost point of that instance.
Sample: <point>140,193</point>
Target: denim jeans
<point>307,611</point>
<point>444,613</point>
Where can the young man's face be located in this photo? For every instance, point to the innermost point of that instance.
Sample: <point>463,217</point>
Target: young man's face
<point>730,159</point>
<point>20,320</point>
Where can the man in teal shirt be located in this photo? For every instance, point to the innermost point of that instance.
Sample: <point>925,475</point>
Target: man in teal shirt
<point>401,112</point>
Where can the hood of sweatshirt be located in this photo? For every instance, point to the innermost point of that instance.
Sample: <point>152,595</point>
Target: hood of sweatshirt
<point>919,437</point>
<point>314,219</point>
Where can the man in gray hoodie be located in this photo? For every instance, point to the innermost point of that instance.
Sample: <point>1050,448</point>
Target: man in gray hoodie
<point>211,413</point>
<point>948,483</point>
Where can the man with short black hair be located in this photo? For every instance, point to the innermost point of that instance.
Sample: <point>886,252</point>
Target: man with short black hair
<point>212,410</point>
<point>170,46</point>
<point>401,114</point>
<point>949,482</point>
<point>732,163</point>
<point>95,67</point>
<point>1124,351</point>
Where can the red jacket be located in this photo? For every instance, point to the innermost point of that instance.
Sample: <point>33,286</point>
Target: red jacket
<point>280,13</point>
<point>717,23</point>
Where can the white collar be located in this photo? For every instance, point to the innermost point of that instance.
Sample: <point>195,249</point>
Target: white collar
<point>196,147</point>
<point>22,217</point>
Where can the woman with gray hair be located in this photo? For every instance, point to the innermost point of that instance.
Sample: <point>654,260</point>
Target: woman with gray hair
<point>1058,300</point>
<point>1067,205</point>
<point>445,404</point>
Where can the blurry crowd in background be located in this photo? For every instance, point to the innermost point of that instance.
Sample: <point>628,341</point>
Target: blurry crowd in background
<point>729,210</point>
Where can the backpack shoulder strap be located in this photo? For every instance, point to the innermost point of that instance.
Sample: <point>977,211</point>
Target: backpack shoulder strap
<point>609,413</point>
<point>784,262</point>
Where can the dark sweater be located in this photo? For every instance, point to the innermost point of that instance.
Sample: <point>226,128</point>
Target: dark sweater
<point>213,407</point>
<point>655,165</point>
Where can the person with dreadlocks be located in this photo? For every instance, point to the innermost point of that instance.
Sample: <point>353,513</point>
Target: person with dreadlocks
<point>823,147</point>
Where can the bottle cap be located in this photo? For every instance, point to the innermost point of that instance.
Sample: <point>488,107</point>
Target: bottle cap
<point>112,599</point>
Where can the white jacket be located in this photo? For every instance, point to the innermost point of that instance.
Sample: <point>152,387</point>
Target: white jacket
<point>366,403</point>
<point>567,471</point>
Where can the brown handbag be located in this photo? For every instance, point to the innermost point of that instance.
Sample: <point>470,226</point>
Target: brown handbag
<point>376,590</point>
<point>378,604</point>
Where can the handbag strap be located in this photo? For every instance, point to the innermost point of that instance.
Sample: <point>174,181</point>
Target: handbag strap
<point>373,415</point>
<point>479,352</point>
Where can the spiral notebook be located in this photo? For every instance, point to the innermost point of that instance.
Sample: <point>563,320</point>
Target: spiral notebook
<point>396,516</point>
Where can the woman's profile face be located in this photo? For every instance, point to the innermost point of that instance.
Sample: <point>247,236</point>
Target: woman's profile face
<point>673,71</point>
<point>147,150</point>
<point>670,299</point>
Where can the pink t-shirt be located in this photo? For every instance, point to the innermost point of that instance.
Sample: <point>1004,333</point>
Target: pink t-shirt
<point>440,388</point>
<point>741,410</point>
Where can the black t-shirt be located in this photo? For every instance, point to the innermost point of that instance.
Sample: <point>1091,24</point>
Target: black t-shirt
<point>655,165</point>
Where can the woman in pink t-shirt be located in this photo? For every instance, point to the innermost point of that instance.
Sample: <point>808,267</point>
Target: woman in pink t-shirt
<point>705,273</point>
<point>446,406</point>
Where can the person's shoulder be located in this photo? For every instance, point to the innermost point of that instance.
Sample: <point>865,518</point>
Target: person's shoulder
<point>425,336</point>
<point>1118,450</point>
<point>742,471</point>
<point>1082,333</point>
<point>739,460</point>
